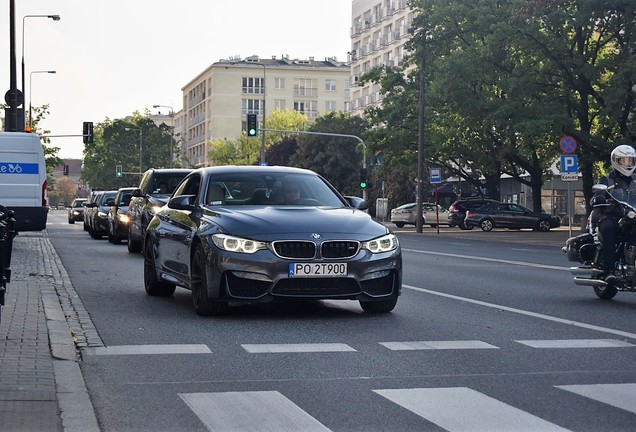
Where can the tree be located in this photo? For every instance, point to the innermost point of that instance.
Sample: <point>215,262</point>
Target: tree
<point>65,189</point>
<point>338,159</point>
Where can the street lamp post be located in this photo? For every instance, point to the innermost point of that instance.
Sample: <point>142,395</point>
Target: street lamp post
<point>54,18</point>
<point>171,114</point>
<point>31,93</point>
<point>141,145</point>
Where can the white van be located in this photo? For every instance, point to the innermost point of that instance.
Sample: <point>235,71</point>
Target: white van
<point>23,179</point>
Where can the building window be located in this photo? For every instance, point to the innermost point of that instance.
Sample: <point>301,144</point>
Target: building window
<point>253,85</point>
<point>279,104</point>
<point>305,87</point>
<point>279,83</point>
<point>308,108</point>
<point>330,85</point>
<point>252,106</point>
<point>330,106</point>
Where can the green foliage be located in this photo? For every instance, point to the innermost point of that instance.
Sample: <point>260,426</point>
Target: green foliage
<point>118,142</point>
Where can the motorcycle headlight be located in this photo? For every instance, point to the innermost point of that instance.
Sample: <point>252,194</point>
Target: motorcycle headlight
<point>382,244</point>
<point>124,218</point>
<point>237,244</point>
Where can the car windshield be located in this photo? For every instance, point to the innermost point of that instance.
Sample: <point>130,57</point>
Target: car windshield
<point>271,189</point>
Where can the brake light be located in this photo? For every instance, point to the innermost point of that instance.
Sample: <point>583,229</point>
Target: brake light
<point>470,213</point>
<point>452,208</point>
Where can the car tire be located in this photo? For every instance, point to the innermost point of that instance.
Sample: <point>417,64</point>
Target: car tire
<point>486,225</point>
<point>133,246</point>
<point>153,286</point>
<point>543,225</point>
<point>203,305</point>
<point>379,306</point>
<point>116,239</point>
<point>399,224</point>
<point>85,226</point>
<point>71,221</point>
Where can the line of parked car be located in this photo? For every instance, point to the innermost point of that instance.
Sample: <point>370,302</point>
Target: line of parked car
<point>470,213</point>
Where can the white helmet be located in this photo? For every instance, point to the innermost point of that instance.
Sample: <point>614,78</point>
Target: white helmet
<point>624,159</point>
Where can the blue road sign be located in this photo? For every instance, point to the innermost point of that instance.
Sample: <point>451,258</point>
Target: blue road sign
<point>569,163</point>
<point>435,175</point>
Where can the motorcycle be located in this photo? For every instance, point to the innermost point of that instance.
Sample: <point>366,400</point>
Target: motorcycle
<point>587,249</point>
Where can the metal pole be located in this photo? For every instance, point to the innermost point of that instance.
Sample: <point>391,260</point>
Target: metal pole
<point>141,147</point>
<point>420,152</point>
<point>30,93</point>
<point>264,115</point>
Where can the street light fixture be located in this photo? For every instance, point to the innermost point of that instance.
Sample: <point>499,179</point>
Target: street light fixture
<point>141,140</point>
<point>171,114</point>
<point>54,18</point>
<point>30,93</point>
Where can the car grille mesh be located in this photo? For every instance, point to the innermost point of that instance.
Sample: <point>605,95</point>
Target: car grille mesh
<point>295,249</point>
<point>316,287</point>
<point>339,249</point>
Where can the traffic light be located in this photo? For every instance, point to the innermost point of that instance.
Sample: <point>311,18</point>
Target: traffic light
<point>363,178</point>
<point>118,171</point>
<point>252,125</point>
<point>87,132</point>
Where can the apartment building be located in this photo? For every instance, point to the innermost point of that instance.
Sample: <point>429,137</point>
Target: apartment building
<point>379,32</point>
<point>216,102</point>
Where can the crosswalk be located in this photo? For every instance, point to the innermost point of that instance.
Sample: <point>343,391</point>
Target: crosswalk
<point>455,409</point>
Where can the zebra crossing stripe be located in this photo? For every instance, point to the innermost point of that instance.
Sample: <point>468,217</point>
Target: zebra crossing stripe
<point>463,409</point>
<point>436,345</point>
<point>148,349</point>
<point>621,396</point>
<point>250,411</point>
<point>296,348</point>
<point>577,343</point>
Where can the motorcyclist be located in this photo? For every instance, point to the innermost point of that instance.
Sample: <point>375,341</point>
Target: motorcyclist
<point>622,186</point>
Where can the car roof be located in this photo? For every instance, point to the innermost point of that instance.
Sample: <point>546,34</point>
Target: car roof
<point>253,169</point>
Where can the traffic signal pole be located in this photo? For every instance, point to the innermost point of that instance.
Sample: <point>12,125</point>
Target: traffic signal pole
<point>364,146</point>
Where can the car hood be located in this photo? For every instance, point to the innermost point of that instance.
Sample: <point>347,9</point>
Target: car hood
<point>267,223</point>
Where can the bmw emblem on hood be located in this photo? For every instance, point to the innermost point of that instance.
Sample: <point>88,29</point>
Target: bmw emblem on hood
<point>316,236</point>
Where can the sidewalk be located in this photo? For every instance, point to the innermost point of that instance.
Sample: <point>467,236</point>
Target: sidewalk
<point>41,385</point>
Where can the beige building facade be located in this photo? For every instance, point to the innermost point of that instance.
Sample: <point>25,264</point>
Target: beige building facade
<point>216,102</point>
<point>379,32</point>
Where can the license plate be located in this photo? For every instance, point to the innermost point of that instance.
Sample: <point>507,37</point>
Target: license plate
<point>317,269</point>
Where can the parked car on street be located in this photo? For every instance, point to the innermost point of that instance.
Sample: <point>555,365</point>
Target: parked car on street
<point>96,214</point>
<point>118,218</point>
<point>510,215</point>
<point>457,211</point>
<point>153,192</point>
<point>76,210</point>
<point>406,214</point>
<point>259,233</point>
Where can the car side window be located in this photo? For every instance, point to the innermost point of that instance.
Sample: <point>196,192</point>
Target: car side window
<point>190,186</point>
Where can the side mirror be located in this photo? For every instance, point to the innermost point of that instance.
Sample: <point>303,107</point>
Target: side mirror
<point>182,202</point>
<point>136,192</point>
<point>110,202</point>
<point>357,202</point>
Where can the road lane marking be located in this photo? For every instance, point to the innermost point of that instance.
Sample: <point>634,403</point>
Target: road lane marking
<point>464,409</point>
<point>621,396</point>
<point>576,343</point>
<point>297,348</point>
<point>250,411</point>
<point>524,312</point>
<point>436,345</point>
<point>496,260</point>
<point>148,349</point>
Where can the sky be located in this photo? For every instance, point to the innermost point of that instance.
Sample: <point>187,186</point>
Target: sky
<point>115,57</point>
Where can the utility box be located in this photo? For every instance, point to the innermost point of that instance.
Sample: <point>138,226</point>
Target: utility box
<point>381,207</point>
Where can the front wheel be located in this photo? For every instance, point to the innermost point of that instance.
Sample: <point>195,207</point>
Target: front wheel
<point>543,226</point>
<point>154,286</point>
<point>133,246</point>
<point>202,303</point>
<point>399,224</point>
<point>606,293</point>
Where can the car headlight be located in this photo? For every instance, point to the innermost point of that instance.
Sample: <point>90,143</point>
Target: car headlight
<point>382,244</point>
<point>124,218</point>
<point>154,209</point>
<point>237,244</point>
<point>102,214</point>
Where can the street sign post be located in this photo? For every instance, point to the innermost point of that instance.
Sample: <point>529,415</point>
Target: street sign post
<point>569,170</point>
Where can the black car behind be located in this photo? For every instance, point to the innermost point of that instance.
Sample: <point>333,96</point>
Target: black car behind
<point>457,211</point>
<point>510,215</point>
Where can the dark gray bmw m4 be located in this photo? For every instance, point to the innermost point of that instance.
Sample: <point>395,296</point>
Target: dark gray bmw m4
<point>257,233</point>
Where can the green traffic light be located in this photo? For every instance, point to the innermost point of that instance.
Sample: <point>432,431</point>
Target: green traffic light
<point>363,185</point>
